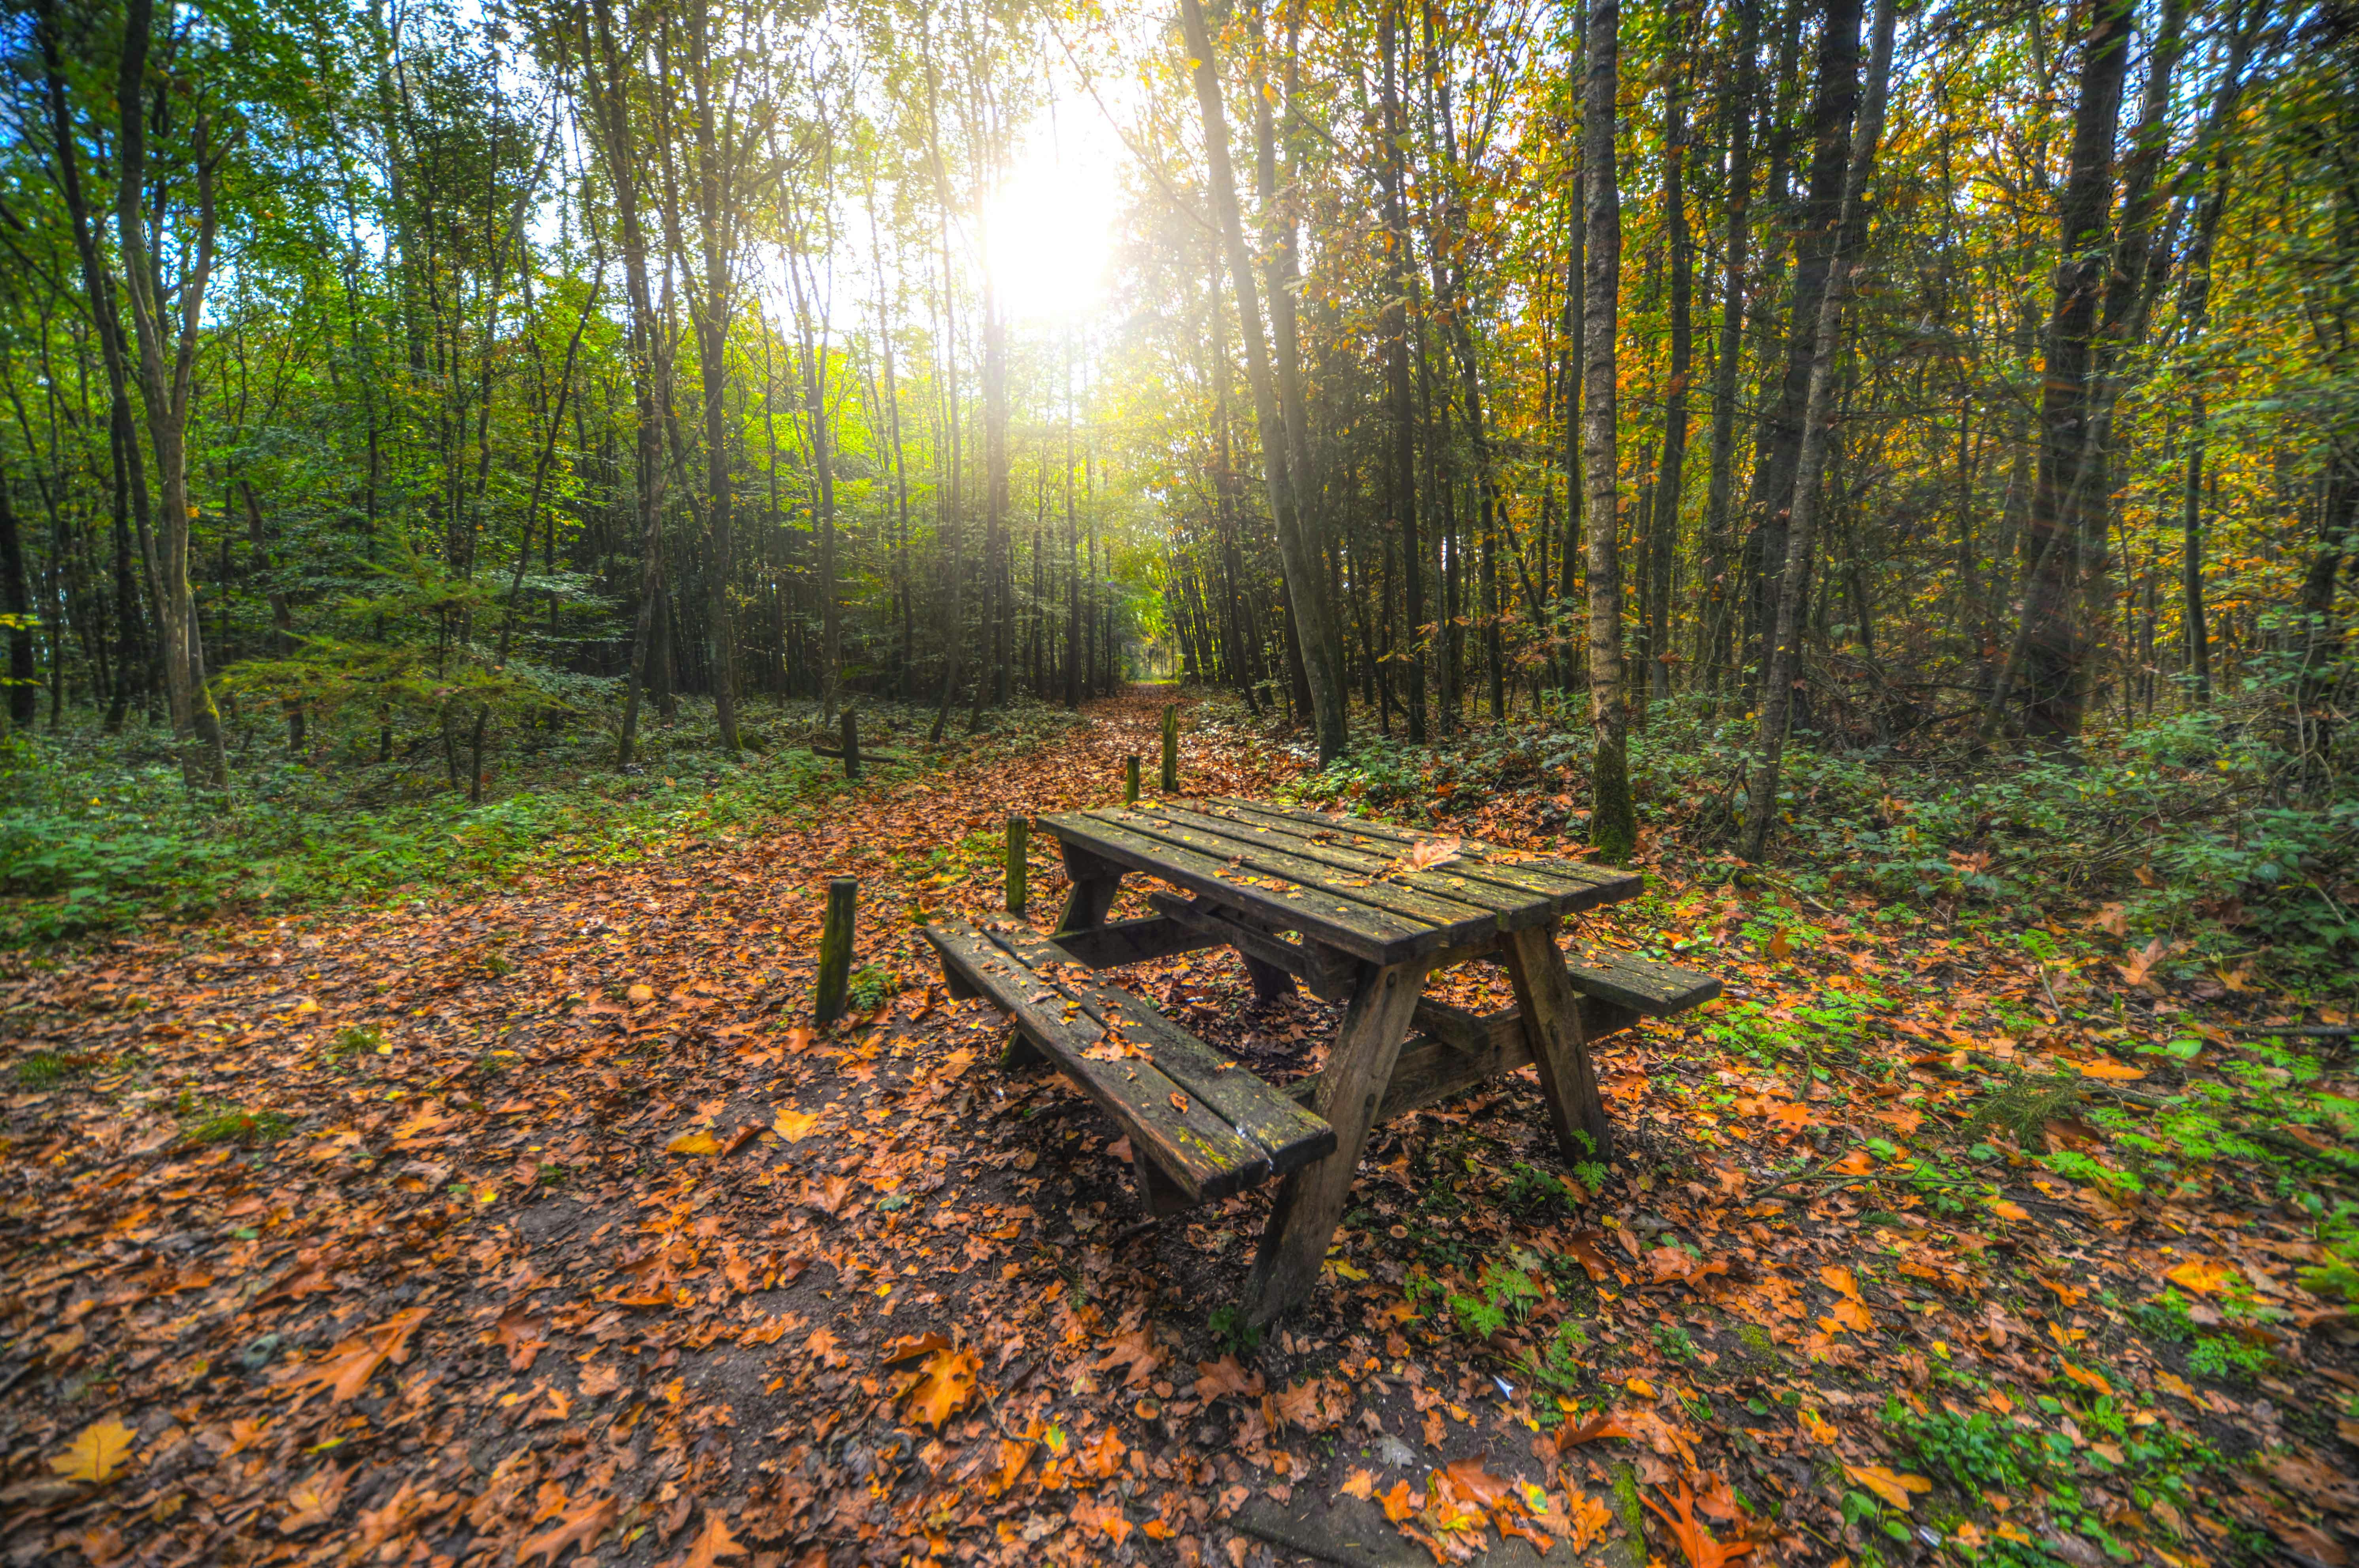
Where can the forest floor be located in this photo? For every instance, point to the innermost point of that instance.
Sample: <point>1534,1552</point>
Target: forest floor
<point>542,1228</point>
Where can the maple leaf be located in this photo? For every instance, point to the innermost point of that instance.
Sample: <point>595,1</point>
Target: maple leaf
<point>944,1385</point>
<point>1889,1485</point>
<point>1361,1484</point>
<point>95,1456</point>
<point>579,1527</point>
<point>314,1499</point>
<point>1591,1431</point>
<point>1696,1541</point>
<point>2139,968</point>
<point>830,1196</point>
<point>1225,1376</point>
<point>714,1543</point>
<point>1588,1519</point>
<point>910,1346</point>
<point>346,1369</point>
<point>1400,1503</point>
<point>794,1125</point>
<point>1423,854</point>
<point>1137,1352</point>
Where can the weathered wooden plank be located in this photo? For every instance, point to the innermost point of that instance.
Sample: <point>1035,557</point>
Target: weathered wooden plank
<point>1288,1134</point>
<point>1647,985</point>
<point>1373,934</point>
<point>1330,976</point>
<point>1456,920</point>
<point>1512,905</point>
<point>1134,941</point>
<point>1203,1153</point>
<point>1576,884</point>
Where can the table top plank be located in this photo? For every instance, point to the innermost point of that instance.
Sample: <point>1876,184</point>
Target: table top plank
<point>1460,920</point>
<point>1513,906</point>
<point>1575,885</point>
<point>1358,928</point>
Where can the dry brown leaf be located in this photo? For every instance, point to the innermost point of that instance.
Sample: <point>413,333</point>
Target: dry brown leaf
<point>96,1453</point>
<point>579,1527</point>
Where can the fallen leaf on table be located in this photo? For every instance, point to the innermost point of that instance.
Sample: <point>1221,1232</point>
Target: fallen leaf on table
<point>1889,1485</point>
<point>96,1455</point>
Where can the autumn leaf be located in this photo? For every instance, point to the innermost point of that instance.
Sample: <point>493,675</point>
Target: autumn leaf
<point>1360,1484</point>
<point>2203,1279</point>
<point>1215,1378</point>
<point>912,1347</point>
<point>1889,1485</point>
<point>1596,1429</point>
<point>714,1543</point>
<point>314,1499</point>
<point>641,994</point>
<point>2137,969</point>
<point>794,1125</point>
<point>1135,1352</point>
<point>96,1455</point>
<point>2094,1381</point>
<point>1697,1543</point>
<point>346,1369</point>
<point>579,1527</point>
<point>945,1384</point>
<point>694,1143</point>
<point>2106,1068</point>
<point>1400,1503</point>
<point>1424,855</point>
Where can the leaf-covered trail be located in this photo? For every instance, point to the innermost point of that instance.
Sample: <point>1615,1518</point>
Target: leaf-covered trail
<point>544,1228</point>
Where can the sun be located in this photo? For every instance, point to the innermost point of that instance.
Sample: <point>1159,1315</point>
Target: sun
<point>1050,235</point>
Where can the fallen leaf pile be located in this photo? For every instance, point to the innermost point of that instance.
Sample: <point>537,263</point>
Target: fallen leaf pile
<point>547,1228</point>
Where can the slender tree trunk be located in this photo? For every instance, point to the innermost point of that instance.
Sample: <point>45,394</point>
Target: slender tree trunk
<point>2067,522</point>
<point>1298,555</point>
<point>1400,491</point>
<point>1665,520</point>
<point>1613,822</point>
<point>1719,597</point>
<point>1818,440</point>
<point>167,388</point>
<point>716,163</point>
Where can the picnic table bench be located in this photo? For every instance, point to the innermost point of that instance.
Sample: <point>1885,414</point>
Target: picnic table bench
<point>1358,912</point>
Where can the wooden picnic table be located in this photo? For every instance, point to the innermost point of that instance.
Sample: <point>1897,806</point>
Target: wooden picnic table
<point>1363,913</point>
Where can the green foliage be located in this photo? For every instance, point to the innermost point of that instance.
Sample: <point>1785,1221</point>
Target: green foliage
<point>1975,1450</point>
<point>871,987</point>
<point>1232,1332</point>
<point>202,1123</point>
<point>2338,1275</point>
<point>46,1069</point>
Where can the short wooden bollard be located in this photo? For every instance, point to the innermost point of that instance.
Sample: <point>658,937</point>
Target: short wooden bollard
<point>1171,749</point>
<point>835,950</point>
<point>851,744</point>
<point>1130,781</point>
<point>1020,832</point>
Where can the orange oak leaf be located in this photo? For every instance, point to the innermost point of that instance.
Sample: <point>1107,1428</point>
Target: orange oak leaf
<point>579,1527</point>
<point>944,1387</point>
<point>345,1370</point>
<point>1697,1543</point>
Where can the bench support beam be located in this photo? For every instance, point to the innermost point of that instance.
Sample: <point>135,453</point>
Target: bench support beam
<point>1559,1045</point>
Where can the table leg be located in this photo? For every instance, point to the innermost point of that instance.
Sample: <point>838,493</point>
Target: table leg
<point>1269,982</point>
<point>1551,1022</point>
<point>1310,1200</point>
<point>1094,884</point>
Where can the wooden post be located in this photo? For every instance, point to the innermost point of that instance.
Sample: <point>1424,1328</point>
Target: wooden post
<point>1171,749</point>
<point>835,945</point>
<point>851,744</point>
<point>1018,832</point>
<point>1130,781</point>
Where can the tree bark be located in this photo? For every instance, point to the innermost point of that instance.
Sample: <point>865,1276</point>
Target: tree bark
<point>1818,435</point>
<point>2066,535</point>
<point>1665,520</point>
<point>1612,822</point>
<point>167,389</point>
<point>1719,601</point>
<point>1297,557</point>
<point>1401,448</point>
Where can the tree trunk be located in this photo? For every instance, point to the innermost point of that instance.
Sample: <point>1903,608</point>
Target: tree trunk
<point>1612,822</point>
<point>1665,520</point>
<point>1718,598</point>
<point>716,221</point>
<point>1298,556</point>
<point>1818,439</point>
<point>167,389</point>
<point>1400,490</point>
<point>2066,523</point>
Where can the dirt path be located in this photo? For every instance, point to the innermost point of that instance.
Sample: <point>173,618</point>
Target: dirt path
<point>544,1227</point>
